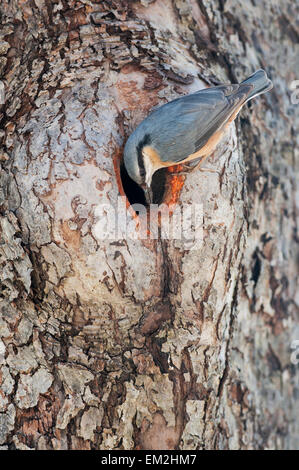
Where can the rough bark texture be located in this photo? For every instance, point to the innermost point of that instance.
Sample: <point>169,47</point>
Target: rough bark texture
<point>127,344</point>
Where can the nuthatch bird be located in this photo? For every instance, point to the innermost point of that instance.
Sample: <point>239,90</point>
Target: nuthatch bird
<point>187,128</point>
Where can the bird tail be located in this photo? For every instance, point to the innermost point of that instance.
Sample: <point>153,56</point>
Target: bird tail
<point>261,83</point>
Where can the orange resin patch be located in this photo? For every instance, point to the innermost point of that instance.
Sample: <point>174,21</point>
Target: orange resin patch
<point>175,183</point>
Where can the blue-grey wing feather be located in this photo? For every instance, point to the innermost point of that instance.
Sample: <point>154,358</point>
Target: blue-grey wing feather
<point>183,126</point>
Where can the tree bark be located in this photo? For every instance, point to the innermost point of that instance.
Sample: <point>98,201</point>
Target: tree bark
<point>133,344</point>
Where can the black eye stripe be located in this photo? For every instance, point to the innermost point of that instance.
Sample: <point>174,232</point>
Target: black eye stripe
<point>145,141</point>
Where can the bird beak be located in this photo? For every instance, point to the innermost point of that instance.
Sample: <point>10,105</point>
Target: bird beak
<point>148,194</point>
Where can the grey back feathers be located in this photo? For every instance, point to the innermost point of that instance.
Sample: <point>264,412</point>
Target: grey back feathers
<point>181,127</point>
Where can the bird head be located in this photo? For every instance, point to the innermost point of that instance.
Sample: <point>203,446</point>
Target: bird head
<point>136,167</point>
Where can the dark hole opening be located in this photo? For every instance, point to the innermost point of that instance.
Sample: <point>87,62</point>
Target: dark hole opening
<point>136,195</point>
<point>158,185</point>
<point>132,190</point>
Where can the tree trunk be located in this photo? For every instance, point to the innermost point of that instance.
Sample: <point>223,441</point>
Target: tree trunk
<point>145,344</point>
